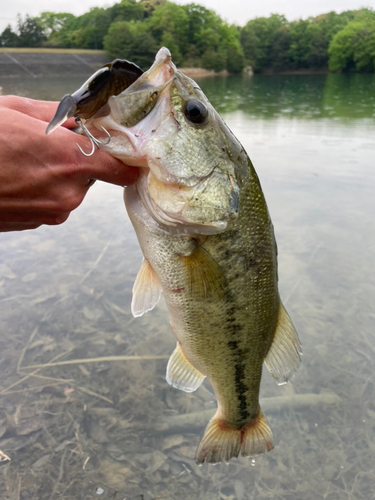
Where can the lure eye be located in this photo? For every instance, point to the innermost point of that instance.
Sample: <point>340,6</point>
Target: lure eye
<point>196,111</point>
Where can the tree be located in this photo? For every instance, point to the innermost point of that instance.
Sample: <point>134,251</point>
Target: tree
<point>310,39</point>
<point>30,33</point>
<point>150,5</point>
<point>86,31</point>
<point>127,10</point>
<point>353,47</point>
<point>279,49</point>
<point>235,60</point>
<point>215,43</point>
<point>8,38</point>
<point>212,59</point>
<point>52,22</point>
<point>257,38</point>
<point>131,40</point>
<point>172,19</point>
<point>308,47</point>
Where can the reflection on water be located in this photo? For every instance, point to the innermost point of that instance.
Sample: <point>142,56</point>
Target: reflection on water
<point>107,429</point>
<point>308,97</point>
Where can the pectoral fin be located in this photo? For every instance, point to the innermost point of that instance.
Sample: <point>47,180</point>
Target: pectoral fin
<point>204,276</point>
<point>181,373</point>
<point>284,355</point>
<point>146,290</point>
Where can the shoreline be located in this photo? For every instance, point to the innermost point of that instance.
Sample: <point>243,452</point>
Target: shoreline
<point>201,72</point>
<point>44,61</point>
<point>270,72</point>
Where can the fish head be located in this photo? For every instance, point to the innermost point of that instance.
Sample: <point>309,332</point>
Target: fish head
<point>164,124</point>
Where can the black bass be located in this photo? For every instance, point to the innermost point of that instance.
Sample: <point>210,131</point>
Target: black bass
<point>208,243</point>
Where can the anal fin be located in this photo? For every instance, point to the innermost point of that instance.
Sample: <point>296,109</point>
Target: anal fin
<point>146,290</point>
<point>284,355</point>
<point>181,373</point>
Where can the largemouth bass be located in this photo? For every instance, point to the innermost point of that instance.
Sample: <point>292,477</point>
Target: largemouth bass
<point>208,243</point>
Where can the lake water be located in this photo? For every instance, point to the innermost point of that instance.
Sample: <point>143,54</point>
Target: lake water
<point>107,429</point>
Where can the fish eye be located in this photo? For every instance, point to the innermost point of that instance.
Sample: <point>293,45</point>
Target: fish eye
<point>196,111</point>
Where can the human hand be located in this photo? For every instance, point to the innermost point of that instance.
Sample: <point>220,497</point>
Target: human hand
<point>43,178</point>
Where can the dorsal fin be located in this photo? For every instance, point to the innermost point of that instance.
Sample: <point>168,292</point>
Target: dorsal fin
<point>284,355</point>
<point>146,290</point>
<point>181,373</point>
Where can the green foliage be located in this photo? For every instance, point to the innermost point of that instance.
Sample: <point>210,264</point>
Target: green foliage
<point>197,36</point>
<point>308,47</point>
<point>257,38</point>
<point>170,20</point>
<point>212,43</point>
<point>273,43</point>
<point>279,59</point>
<point>86,31</point>
<point>213,60</point>
<point>235,62</point>
<point>52,22</point>
<point>8,38</point>
<point>353,48</point>
<point>127,10</point>
<point>132,41</point>
<point>150,5</point>
<point>29,34</point>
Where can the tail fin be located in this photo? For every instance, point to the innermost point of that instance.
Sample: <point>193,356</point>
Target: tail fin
<point>222,441</point>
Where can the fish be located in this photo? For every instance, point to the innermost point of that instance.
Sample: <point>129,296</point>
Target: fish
<point>208,245</point>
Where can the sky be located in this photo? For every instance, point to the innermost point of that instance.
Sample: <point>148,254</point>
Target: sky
<point>233,11</point>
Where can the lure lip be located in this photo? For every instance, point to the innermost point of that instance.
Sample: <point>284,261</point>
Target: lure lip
<point>66,109</point>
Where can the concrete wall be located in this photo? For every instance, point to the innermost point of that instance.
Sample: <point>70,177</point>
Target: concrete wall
<point>39,64</point>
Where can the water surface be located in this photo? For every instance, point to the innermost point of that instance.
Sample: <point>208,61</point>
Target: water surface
<point>102,429</point>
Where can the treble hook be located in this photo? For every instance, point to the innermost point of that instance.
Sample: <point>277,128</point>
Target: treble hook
<point>93,140</point>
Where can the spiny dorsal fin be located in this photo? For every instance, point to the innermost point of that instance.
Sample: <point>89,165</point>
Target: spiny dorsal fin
<point>181,373</point>
<point>146,290</point>
<point>284,355</point>
<point>204,275</point>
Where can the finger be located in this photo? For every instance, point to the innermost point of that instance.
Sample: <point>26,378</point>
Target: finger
<point>41,110</point>
<point>103,167</point>
<point>16,226</point>
<point>31,218</point>
<point>61,145</point>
